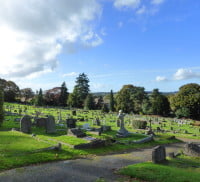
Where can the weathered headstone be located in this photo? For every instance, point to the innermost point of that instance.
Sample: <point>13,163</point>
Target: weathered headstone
<point>41,122</point>
<point>158,154</point>
<point>25,124</point>
<point>71,123</point>
<point>192,149</point>
<point>50,125</point>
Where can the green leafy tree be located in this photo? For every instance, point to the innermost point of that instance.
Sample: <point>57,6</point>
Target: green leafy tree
<point>89,102</point>
<point>112,102</point>
<point>39,99</point>
<point>10,89</point>
<point>1,107</point>
<point>26,94</point>
<point>188,97</point>
<point>159,103</point>
<point>63,95</point>
<point>130,99</point>
<point>81,90</point>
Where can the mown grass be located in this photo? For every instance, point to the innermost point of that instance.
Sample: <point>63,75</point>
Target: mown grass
<point>182,169</point>
<point>17,149</point>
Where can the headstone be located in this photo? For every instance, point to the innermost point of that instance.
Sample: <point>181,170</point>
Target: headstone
<point>50,125</point>
<point>93,144</point>
<point>192,149</point>
<point>158,154</point>
<point>41,122</point>
<point>86,126</point>
<point>74,113</point>
<point>71,123</point>
<point>25,124</point>
<point>76,132</point>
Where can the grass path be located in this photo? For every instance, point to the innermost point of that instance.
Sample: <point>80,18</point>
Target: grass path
<point>84,170</point>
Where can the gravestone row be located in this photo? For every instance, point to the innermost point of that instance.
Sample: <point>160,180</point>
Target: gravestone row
<point>48,123</point>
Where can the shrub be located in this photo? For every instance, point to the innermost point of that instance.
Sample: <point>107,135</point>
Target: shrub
<point>1,107</point>
<point>137,124</point>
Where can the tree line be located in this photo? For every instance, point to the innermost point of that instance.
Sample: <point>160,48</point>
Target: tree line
<point>130,98</point>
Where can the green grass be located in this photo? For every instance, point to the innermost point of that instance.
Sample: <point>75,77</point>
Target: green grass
<point>16,149</point>
<point>182,169</point>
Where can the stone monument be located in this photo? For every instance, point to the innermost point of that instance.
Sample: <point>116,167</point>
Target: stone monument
<point>25,124</point>
<point>122,131</point>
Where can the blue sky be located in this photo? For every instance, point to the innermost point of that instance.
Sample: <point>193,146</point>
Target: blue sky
<point>148,43</point>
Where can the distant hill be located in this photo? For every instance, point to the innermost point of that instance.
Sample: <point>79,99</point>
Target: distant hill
<point>148,92</point>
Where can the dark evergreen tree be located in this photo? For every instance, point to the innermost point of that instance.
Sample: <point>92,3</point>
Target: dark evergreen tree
<point>89,102</point>
<point>81,90</point>
<point>105,108</point>
<point>63,95</point>
<point>112,102</point>
<point>1,107</point>
<point>39,99</point>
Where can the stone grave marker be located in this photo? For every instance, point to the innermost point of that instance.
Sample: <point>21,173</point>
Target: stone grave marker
<point>25,124</point>
<point>158,154</point>
<point>192,149</point>
<point>76,132</point>
<point>71,123</point>
<point>41,122</point>
<point>50,125</point>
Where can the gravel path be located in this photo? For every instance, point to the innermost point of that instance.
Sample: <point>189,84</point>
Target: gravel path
<point>82,170</point>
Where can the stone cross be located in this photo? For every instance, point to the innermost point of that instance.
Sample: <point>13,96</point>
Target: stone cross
<point>122,131</point>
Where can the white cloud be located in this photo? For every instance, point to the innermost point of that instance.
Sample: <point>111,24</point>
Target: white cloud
<point>126,3</point>
<point>161,79</point>
<point>33,33</point>
<point>157,2</point>
<point>183,74</point>
<point>141,10</point>
<point>72,74</point>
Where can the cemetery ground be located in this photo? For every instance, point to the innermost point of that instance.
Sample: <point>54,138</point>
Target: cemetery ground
<point>20,149</point>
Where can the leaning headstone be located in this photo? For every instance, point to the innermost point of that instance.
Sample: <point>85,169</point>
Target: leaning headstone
<point>192,149</point>
<point>25,124</point>
<point>50,125</point>
<point>158,154</point>
<point>71,123</point>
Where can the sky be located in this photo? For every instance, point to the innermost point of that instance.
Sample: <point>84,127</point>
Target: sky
<point>146,43</point>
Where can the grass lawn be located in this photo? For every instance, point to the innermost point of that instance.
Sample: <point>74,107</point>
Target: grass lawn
<point>181,169</point>
<point>17,149</point>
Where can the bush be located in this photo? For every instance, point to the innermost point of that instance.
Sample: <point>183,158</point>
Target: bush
<point>1,107</point>
<point>137,124</point>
